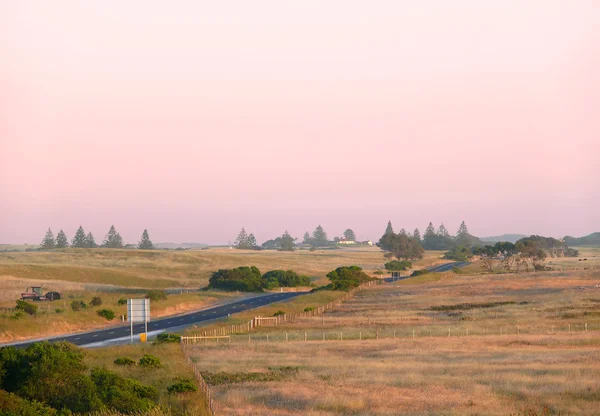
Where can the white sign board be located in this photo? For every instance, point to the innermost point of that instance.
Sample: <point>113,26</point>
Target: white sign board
<point>138,310</point>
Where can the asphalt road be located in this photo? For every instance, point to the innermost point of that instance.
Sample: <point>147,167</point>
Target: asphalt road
<point>435,269</point>
<point>170,322</point>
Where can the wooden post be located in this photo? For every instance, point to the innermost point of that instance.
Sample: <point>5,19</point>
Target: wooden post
<point>413,334</point>
<point>267,337</point>
<point>305,336</point>
<point>377,334</point>
<point>248,338</point>
<point>322,321</point>
<point>586,327</point>
<point>341,336</point>
<point>360,335</point>
<point>448,331</point>
<point>467,331</point>
<point>323,336</point>
<point>518,331</point>
<point>394,334</point>
<point>286,336</point>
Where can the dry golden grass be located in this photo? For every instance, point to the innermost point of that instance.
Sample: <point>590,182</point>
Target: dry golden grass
<point>162,269</point>
<point>544,366</point>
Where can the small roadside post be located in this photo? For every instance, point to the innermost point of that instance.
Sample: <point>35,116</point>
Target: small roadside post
<point>138,310</point>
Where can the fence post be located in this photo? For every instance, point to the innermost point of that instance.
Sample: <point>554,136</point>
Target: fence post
<point>305,336</point>
<point>341,336</point>
<point>413,334</point>
<point>286,336</point>
<point>586,327</point>
<point>448,331</point>
<point>360,335</point>
<point>394,334</point>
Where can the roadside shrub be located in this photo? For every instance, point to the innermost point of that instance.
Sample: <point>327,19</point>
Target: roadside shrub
<point>346,278</point>
<point>167,337</point>
<point>284,278</point>
<point>378,272</point>
<point>420,272</point>
<point>107,313</point>
<point>244,279</point>
<point>78,305</point>
<point>58,310</point>
<point>156,295</point>
<point>17,316</point>
<point>458,254</point>
<point>150,361</point>
<point>96,301</point>
<point>278,313</point>
<point>27,307</point>
<point>456,270</point>
<point>122,301</point>
<point>308,309</point>
<point>124,361</point>
<point>398,265</point>
<point>312,248</point>
<point>13,405</point>
<point>182,386</point>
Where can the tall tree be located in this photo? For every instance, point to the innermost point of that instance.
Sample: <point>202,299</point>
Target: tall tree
<point>306,238</point>
<point>319,235</point>
<point>288,242</point>
<point>443,231</point>
<point>349,235</point>
<point>79,239</point>
<point>462,231</point>
<point>389,229</point>
<point>245,241</point>
<point>61,240</point>
<point>113,239</point>
<point>90,242</point>
<point>145,243</point>
<point>417,235</point>
<point>402,246</point>
<point>48,241</point>
<point>402,231</point>
<point>429,231</point>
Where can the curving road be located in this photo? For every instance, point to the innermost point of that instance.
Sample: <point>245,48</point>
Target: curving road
<point>169,322</point>
<point>435,269</point>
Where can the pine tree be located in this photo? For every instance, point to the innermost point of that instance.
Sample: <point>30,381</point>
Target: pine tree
<point>443,231</point>
<point>90,242</point>
<point>462,231</point>
<point>429,231</point>
<point>349,235</point>
<point>79,239</point>
<point>417,235</point>
<point>145,243</point>
<point>402,232</point>
<point>244,240</point>
<point>319,235</point>
<point>113,239</point>
<point>251,241</point>
<point>389,229</point>
<point>48,241</point>
<point>287,242</point>
<point>306,238</point>
<point>61,240</point>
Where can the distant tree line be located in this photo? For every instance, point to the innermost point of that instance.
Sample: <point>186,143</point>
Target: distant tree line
<point>82,240</point>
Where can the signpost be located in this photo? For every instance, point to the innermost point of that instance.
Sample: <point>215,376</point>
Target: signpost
<point>138,310</point>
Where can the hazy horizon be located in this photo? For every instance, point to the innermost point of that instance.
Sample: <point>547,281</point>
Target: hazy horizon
<point>193,120</point>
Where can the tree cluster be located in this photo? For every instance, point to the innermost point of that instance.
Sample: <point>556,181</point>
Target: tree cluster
<point>245,241</point>
<point>82,240</point>
<point>318,238</point>
<point>401,245</point>
<point>54,378</point>
<point>250,279</point>
<point>284,243</point>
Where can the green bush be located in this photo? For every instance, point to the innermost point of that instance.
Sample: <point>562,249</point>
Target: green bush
<point>420,272</point>
<point>123,394</point>
<point>107,313</point>
<point>308,309</point>
<point>378,272</point>
<point>122,301</point>
<point>398,265</point>
<point>284,278</point>
<point>27,307</point>
<point>156,295</point>
<point>182,386</point>
<point>150,361</point>
<point>278,313</point>
<point>78,305</point>
<point>458,254</point>
<point>346,278</point>
<point>96,301</point>
<point>167,337</point>
<point>124,361</point>
<point>17,316</point>
<point>244,279</point>
<point>58,310</point>
<point>13,405</point>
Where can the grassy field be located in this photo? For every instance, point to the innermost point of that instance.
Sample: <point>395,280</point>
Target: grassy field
<point>190,269</point>
<point>484,367</point>
<point>174,367</point>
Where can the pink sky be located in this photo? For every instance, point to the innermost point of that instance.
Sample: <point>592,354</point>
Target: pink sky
<point>195,118</point>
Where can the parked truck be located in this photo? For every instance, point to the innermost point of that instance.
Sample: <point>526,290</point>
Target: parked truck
<point>35,293</point>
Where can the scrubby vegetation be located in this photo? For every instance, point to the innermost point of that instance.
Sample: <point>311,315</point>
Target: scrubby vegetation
<point>96,301</point>
<point>458,254</point>
<point>124,361</point>
<point>108,314</point>
<point>182,386</point>
<point>150,361</point>
<point>249,279</point>
<point>156,295</point>
<point>47,377</point>
<point>346,278</point>
<point>167,337</point>
<point>398,265</point>
<point>78,305</point>
<point>27,307</point>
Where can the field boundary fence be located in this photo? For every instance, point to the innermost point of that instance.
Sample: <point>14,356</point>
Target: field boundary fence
<point>204,388</point>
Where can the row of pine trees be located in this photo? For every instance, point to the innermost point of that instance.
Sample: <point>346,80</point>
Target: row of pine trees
<point>82,240</point>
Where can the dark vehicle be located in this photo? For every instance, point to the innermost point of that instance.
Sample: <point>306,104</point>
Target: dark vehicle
<point>35,293</point>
